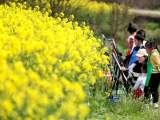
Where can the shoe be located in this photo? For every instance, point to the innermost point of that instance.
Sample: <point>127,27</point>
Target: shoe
<point>155,105</point>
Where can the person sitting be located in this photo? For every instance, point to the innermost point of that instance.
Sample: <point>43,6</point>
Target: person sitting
<point>140,83</point>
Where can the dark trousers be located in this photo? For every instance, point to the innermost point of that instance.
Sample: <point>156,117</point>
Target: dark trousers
<point>152,88</point>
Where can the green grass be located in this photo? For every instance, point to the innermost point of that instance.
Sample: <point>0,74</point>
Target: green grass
<point>126,109</point>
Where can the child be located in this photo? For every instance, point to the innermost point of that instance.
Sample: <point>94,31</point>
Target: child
<point>132,30</point>
<point>140,83</point>
<point>138,45</point>
<point>142,33</point>
<point>141,68</point>
<point>153,73</point>
<point>140,36</point>
<point>133,60</point>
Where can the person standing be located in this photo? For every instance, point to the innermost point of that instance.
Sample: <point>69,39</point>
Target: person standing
<point>138,45</point>
<point>153,73</point>
<point>132,30</point>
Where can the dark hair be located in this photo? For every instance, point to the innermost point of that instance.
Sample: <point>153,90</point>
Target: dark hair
<point>131,28</point>
<point>142,33</point>
<point>139,37</point>
<point>150,44</point>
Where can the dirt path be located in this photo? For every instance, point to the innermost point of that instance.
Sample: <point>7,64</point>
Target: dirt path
<point>146,13</point>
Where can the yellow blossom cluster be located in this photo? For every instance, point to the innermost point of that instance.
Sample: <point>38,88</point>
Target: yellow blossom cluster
<point>49,5</point>
<point>45,64</point>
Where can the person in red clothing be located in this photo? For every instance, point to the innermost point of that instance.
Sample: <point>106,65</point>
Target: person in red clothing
<point>130,41</point>
<point>132,30</point>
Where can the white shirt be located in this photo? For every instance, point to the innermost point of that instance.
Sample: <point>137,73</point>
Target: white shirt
<point>140,83</point>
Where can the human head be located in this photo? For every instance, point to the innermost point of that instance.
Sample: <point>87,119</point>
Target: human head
<point>138,39</point>
<point>150,45</point>
<point>142,33</point>
<point>131,28</point>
